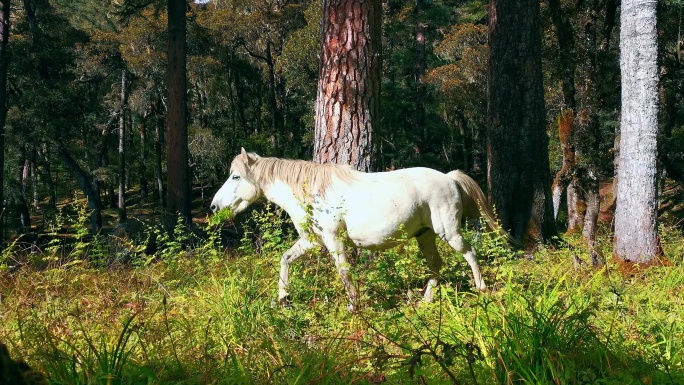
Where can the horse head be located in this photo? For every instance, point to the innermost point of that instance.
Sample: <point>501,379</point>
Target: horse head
<point>241,189</point>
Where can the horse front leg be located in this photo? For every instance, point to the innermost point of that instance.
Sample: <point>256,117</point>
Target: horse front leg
<point>297,250</point>
<point>337,250</point>
<point>428,248</point>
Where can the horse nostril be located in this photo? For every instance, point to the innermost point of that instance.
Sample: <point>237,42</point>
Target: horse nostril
<point>214,208</point>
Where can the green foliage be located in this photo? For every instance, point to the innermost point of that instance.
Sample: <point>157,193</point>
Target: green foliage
<point>221,216</point>
<point>90,361</point>
<point>670,239</point>
<point>7,256</point>
<point>197,319</point>
<point>76,246</point>
<point>266,231</point>
<point>546,338</point>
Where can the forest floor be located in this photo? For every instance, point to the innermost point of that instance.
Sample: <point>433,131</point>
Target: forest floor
<point>193,311</point>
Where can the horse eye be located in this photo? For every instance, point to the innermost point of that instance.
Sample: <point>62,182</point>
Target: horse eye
<point>235,177</point>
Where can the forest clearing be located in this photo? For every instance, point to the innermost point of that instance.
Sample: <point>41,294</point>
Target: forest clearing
<point>123,261</point>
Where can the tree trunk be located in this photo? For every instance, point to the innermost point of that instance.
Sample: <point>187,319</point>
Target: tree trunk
<point>4,62</point>
<point>20,204</point>
<point>89,186</point>
<point>592,199</point>
<point>347,103</point>
<point>122,150</point>
<point>178,173</point>
<point>35,205</point>
<point>636,225</point>
<point>158,155</point>
<point>564,176</point>
<point>29,10</point>
<point>518,168</point>
<point>466,139</point>
<point>276,109</point>
<point>142,166</point>
<point>47,176</point>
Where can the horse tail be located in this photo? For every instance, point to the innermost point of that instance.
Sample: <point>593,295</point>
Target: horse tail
<point>474,202</point>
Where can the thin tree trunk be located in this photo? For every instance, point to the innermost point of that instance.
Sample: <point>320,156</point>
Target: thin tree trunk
<point>89,186</point>
<point>466,140</point>
<point>19,197</point>
<point>142,166</point>
<point>47,177</point>
<point>277,118</point>
<point>420,68</point>
<point>30,12</point>
<point>34,183</point>
<point>122,150</point>
<point>592,200</point>
<point>178,173</point>
<point>636,226</point>
<point>158,155</point>
<point>240,102</point>
<point>347,103</point>
<point>4,62</point>
<point>564,176</point>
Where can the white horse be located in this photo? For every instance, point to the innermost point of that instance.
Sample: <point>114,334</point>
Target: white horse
<point>333,205</point>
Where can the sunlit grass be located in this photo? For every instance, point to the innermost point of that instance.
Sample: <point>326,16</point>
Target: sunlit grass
<point>203,316</point>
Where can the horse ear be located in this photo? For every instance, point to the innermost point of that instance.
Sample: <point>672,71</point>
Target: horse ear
<point>251,158</point>
<point>242,151</point>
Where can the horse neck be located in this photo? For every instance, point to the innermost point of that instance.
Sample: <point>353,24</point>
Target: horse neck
<point>281,194</point>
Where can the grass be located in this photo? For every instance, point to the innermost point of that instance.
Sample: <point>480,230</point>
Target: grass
<point>204,316</point>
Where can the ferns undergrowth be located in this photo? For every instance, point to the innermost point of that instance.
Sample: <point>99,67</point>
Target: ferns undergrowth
<point>193,313</point>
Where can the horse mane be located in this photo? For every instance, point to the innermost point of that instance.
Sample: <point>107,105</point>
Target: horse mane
<point>305,178</point>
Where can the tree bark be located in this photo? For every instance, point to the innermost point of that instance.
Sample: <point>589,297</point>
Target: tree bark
<point>347,103</point>
<point>89,186</point>
<point>178,173</point>
<point>122,150</point>
<point>564,176</point>
<point>47,176</point>
<point>158,154</point>
<point>4,62</point>
<point>636,225</point>
<point>517,144</point>
<point>593,201</point>
<point>19,197</point>
<point>142,163</point>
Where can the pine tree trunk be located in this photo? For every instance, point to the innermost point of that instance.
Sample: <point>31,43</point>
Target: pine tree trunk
<point>47,176</point>
<point>636,225</point>
<point>347,104</point>
<point>34,183</point>
<point>19,196</point>
<point>158,155</point>
<point>142,165</point>
<point>518,168</point>
<point>564,176</point>
<point>576,206</point>
<point>4,62</point>
<point>88,185</point>
<point>593,201</point>
<point>122,150</point>
<point>178,173</point>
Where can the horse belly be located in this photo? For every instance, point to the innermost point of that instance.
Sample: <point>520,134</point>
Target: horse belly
<point>379,231</point>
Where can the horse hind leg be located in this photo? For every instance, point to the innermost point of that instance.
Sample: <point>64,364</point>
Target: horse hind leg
<point>428,248</point>
<point>458,243</point>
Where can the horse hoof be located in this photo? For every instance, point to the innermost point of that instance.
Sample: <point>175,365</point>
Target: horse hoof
<point>285,301</point>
